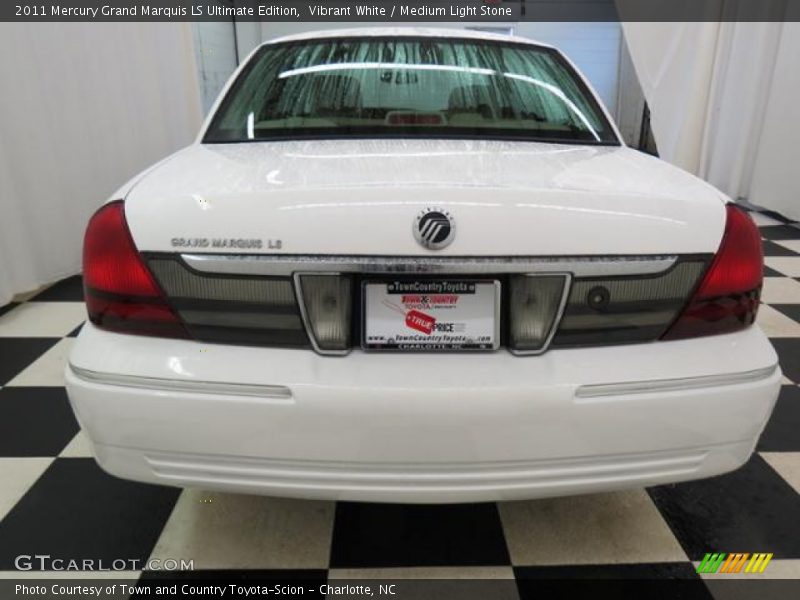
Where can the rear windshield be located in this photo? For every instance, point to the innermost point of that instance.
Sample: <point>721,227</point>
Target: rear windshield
<point>404,87</point>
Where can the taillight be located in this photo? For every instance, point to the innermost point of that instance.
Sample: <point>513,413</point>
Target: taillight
<point>121,294</point>
<point>727,299</point>
<point>327,308</point>
<point>534,306</point>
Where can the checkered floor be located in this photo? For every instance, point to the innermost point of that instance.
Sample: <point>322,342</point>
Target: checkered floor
<point>55,500</point>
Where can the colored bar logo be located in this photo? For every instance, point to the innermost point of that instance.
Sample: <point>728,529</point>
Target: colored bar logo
<point>720,562</point>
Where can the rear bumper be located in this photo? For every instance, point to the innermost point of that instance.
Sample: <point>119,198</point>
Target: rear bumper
<point>421,428</point>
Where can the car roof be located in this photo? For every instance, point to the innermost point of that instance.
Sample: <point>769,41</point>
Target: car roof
<point>439,32</point>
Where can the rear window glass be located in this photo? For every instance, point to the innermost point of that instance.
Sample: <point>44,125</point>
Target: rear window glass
<point>426,87</point>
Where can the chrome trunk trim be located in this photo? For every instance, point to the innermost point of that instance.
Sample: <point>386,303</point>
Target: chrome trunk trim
<point>287,265</point>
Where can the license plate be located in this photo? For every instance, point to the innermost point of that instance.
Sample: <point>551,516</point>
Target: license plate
<point>431,315</point>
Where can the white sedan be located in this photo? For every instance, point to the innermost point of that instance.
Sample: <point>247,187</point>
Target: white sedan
<point>419,266</point>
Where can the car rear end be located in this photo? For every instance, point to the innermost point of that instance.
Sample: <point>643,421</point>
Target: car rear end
<point>415,318</point>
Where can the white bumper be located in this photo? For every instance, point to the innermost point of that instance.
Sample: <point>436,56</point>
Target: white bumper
<point>421,428</point>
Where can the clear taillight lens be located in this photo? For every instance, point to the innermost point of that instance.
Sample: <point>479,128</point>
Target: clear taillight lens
<point>534,304</point>
<point>728,297</point>
<point>121,294</point>
<point>327,304</point>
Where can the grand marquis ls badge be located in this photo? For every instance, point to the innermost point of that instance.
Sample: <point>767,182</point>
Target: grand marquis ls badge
<point>434,228</point>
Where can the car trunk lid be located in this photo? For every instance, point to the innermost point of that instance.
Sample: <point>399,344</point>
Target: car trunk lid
<point>362,197</point>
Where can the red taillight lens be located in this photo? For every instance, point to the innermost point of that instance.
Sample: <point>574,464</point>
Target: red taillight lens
<point>727,299</point>
<point>121,294</point>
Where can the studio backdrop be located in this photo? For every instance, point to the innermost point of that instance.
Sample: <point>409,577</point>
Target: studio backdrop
<point>83,107</point>
<point>723,103</point>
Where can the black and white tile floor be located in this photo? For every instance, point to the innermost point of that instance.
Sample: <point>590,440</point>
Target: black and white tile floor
<point>55,500</point>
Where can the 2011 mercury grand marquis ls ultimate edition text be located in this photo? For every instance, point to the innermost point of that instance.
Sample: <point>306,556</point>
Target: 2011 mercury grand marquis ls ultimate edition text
<point>419,266</point>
